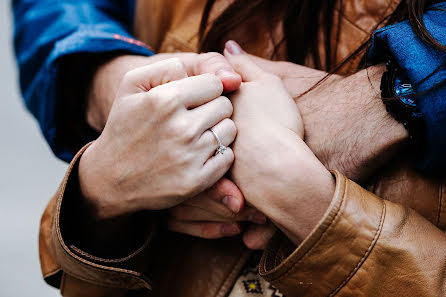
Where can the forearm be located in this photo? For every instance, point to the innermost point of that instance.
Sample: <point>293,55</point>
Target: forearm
<point>347,125</point>
<point>289,185</point>
<point>299,196</point>
<point>361,239</point>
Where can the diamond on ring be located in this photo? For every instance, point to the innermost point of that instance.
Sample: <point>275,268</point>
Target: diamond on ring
<point>221,148</point>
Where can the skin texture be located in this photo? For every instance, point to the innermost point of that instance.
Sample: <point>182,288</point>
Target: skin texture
<point>289,185</point>
<point>346,124</point>
<point>126,171</point>
<point>357,143</point>
<point>108,77</point>
<point>101,96</point>
<point>338,141</point>
<point>158,106</point>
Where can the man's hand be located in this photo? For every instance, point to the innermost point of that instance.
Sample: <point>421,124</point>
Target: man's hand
<point>218,212</point>
<point>346,123</point>
<point>108,77</point>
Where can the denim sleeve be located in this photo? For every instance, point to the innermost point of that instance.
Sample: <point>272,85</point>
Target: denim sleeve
<point>419,61</point>
<point>45,31</point>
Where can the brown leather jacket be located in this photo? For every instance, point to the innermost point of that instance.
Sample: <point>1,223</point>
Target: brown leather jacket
<point>365,245</point>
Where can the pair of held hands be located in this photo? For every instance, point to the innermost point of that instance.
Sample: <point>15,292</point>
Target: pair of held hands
<point>156,150</point>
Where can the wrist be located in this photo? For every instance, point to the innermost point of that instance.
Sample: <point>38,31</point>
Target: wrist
<point>291,186</point>
<point>298,211</point>
<point>348,127</point>
<point>96,185</point>
<point>105,84</point>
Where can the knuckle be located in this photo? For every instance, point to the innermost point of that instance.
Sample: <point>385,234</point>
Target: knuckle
<point>211,57</point>
<point>185,130</point>
<point>176,66</point>
<point>129,77</point>
<point>213,81</point>
<point>173,96</point>
<point>165,98</point>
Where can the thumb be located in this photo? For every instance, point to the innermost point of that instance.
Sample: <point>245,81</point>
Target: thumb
<point>241,62</point>
<point>229,194</point>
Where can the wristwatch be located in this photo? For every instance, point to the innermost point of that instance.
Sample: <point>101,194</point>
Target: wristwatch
<point>398,96</point>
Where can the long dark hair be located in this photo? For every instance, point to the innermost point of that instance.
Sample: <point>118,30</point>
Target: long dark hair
<point>302,20</point>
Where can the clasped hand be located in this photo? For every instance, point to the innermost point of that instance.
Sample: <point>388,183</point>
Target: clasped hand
<point>156,151</point>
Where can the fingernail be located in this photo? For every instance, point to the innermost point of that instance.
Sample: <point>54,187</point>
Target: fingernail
<point>257,218</point>
<point>231,203</point>
<point>225,72</point>
<point>230,229</point>
<point>233,47</point>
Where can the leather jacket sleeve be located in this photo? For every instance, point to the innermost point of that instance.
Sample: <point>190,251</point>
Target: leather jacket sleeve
<point>72,269</point>
<point>363,246</point>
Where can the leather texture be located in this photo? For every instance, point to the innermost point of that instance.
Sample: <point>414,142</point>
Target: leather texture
<point>384,241</point>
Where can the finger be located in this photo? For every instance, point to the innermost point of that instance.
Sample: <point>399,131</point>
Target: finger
<point>217,64</point>
<point>215,213</point>
<point>256,237</point>
<point>226,132</point>
<point>216,167</point>
<point>224,194</point>
<point>242,63</point>
<point>144,78</point>
<point>208,230</point>
<point>213,112</point>
<point>191,92</point>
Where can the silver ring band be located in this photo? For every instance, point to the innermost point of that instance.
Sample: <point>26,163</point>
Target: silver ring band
<point>221,148</point>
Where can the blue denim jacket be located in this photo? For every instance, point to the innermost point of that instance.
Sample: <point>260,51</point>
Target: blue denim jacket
<point>419,60</point>
<point>48,30</point>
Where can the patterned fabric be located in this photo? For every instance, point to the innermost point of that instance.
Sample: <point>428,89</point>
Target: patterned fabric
<point>250,284</point>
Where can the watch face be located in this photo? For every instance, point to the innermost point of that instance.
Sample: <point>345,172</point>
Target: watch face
<point>402,89</point>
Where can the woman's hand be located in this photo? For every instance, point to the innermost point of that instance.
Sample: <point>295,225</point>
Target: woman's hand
<point>108,76</point>
<point>275,170</point>
<point>156,150</point>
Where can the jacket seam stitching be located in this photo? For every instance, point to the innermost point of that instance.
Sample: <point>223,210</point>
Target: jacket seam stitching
<point>134,254</point>
<point>90,281</point>
<point>295,266</point>
<point>367,252</point>
<point>73,258</point>
<point>129,273</point>
<point>52,272</point>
